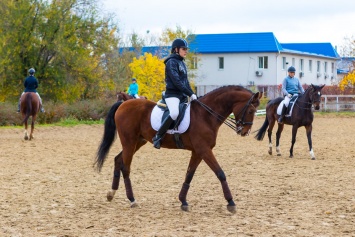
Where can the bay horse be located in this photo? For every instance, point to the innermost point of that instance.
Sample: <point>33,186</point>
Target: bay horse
<point>122,96</point>
<point>302,115</point>
<point>29,107</point>
<point>131,119</point>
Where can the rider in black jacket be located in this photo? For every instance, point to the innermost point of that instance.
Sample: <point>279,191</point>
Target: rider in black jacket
<point>177,86</point>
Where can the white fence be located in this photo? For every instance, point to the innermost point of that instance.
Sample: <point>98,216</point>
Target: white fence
<point>338,103</point>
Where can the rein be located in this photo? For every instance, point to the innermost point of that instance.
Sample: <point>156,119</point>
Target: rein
<point>228,121</point>
<point>306,102</point>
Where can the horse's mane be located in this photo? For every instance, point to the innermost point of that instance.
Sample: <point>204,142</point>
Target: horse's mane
<point>223,88</point>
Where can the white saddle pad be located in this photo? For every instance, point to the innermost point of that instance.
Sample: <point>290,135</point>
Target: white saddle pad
<point>157,114</point>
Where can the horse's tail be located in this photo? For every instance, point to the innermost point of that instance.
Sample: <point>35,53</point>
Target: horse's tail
<point>261,132</point>
<point>28,107</point>
<point>108,137</point>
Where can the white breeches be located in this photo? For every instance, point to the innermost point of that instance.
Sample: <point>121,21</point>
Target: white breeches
<point>173,105</point>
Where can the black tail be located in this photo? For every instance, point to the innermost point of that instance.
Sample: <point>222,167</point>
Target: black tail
<point>28,107</point>
<point>261,132</point>
<point>108,137</point>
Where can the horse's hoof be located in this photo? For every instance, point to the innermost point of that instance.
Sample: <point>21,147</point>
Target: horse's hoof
<point>232,209</point>
<point>26,138</point>
<point>291,156</point>
<point>109,196</point>
<point>134,204</point>
<point>185,208</point>
<point>313,158</point>
<point>270,152</point>
<point>278,154</point>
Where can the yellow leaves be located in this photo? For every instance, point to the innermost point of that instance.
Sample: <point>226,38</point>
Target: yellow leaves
<point>348,81</point>
<point>149,71</point>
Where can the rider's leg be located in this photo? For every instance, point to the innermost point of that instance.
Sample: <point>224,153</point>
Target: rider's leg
<point>285,102</point>
<point>19,103</point>
<point>40,102</point>
<point>173,105</point>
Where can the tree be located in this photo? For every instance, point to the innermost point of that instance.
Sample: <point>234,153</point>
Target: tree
<point>348,81</point>
<point>72,48</point>
<point>149,71</point>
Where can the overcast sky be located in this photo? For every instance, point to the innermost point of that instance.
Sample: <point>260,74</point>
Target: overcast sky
<point>302,21</point>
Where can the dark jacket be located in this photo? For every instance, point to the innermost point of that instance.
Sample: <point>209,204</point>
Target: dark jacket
<point>31,84</point>
<point>177,84</point>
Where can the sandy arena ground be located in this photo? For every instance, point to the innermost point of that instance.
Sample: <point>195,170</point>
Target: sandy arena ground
<point>49,188</point>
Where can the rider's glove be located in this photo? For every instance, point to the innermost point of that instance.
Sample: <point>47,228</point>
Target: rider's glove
<point>193,97</point>
<point>289,95</point>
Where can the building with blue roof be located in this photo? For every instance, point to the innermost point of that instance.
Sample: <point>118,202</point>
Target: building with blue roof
<point>258,59</point>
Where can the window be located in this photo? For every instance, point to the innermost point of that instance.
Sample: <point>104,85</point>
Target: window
<point>194,63</point>
<point>301,65</point>
<point>318,66</point>
<point>310,65</point>
<point>221,62</point>
<point>293,62</point>
<point>263,62</point>
<point>332,69</point>
<point>284,63</point>
<point>325,67</point>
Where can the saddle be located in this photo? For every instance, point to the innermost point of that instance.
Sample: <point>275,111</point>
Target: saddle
<point>182,109</point>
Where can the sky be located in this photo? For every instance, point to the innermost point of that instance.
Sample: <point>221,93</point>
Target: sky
<point>302,21</point>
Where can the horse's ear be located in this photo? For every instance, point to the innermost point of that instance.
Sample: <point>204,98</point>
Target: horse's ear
<point>258,95</point>
<point>322,86</point>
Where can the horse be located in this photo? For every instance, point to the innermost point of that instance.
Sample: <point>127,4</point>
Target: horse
<point>302,115</point>
<point>122,96</point>
<point>29,107</point>
<point>131,119</point>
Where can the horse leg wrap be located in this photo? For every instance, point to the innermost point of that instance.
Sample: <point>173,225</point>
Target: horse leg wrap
<point>227,193</point>
<point>129,191</point>
<point>116,179</point>
<point>183,193</point>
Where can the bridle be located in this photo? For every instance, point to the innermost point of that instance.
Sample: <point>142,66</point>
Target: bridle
<point>233,124</point>
<point>311,96</point>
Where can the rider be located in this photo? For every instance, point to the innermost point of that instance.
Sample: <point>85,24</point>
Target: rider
<point>177,86</point>
<point>290,86</point>
<point>133,89</point>
<point>31,84</point>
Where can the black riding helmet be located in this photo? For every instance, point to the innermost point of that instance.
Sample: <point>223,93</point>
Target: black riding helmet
<point>31,71</point>
<point>292,69</point>
<point>179,43</point>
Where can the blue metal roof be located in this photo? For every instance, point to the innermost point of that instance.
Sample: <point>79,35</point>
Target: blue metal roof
<point>234,43</point>
<point>160,51</point>
<point>320,49</point>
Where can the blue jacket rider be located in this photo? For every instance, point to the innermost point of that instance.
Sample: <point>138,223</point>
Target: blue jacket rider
<point>290,86</point>
<point>31,84</point>
<point>133,89</point>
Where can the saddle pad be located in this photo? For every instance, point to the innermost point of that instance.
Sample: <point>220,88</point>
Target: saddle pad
<point>157,114</point>
<point>293,104</point>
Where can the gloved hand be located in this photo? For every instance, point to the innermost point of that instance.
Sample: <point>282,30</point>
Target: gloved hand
<point>289,96</point>
<point>193,97</point>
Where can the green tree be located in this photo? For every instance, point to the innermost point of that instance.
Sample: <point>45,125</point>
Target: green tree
<point>72,48</point>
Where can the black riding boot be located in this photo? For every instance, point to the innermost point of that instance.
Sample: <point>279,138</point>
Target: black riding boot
<point>161,132</point>
<point>18,106</point>
<point>284,108</point>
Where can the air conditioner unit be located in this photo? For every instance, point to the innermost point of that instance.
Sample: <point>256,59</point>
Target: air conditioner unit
<point>326,76</point>
<point>319,74</point>
<point>301,74</point>
<point>251,83</point>
<point>332,76</point>
<point>259,73</point>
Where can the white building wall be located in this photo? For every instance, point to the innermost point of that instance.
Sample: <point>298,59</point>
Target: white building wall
<point>240,69</point>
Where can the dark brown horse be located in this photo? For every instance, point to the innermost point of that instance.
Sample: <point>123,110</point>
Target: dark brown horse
<point>131,119</point>
<point>302,115</point>
<point>29,107</point>
<point>122,96</point>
